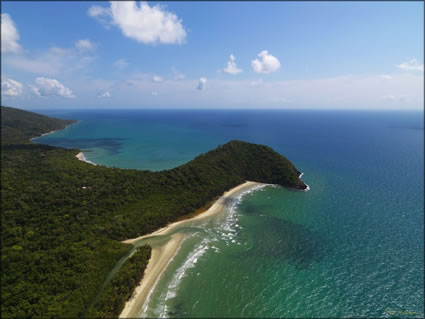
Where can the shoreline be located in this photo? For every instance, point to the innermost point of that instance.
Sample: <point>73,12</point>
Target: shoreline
<point>307,187</point>
<point>161,256</point>
<point>32,138</point>
<point>48,133</point>
<point>81,157</point>
<point>214,208</point>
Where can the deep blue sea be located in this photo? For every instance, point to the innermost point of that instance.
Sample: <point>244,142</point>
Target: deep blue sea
<point>353,246</point>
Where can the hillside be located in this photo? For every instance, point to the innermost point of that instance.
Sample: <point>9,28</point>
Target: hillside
<point>63,219</point>
<point>19,126</point>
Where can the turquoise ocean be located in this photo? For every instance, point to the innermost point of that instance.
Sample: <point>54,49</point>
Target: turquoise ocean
<point>352,246</point>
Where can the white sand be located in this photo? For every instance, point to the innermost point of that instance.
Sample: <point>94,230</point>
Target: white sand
<point>81,157</point>
<point>161,256</point>
<point>53,131</point>
<point>159,260</point>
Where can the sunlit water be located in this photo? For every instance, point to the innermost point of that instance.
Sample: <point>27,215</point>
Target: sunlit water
<point>353,246</point>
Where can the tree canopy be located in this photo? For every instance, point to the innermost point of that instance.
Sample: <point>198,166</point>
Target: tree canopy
<point>63,219</point>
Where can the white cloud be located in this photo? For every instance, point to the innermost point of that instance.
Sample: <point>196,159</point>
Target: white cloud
<point>392,98</point>
<point>154,93</point>
<point>104,94</point>
<point>38,65</point>
<point>55,60</point>
<point>268,63</point>
<point>257,84</point>
<point>101,14</point>
<point>11,87</point>
<point>157,79</point>
<point>142,23</point>
<point>202,84</point>
<point>386,77</point>
<point>121,63</point>
<point>34,90</point>
<point>340,92</point>
<point>177,75</point>
<point>85,45</point>
<point>231,67</point>
<point>59,51</point>
<point>49,87</point>
<point>96,11</point>
<point>9,35</point>
<point>411,65</point>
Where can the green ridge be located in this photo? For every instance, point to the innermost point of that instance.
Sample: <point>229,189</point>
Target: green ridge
<point>63,219</point>
<point>18,126</point>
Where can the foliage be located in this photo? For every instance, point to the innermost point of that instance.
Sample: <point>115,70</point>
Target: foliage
<point>63,219</point>
<point>112,300</point>
<point>19,126</point>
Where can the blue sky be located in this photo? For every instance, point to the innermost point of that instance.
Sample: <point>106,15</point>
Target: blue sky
<point>298,55</point>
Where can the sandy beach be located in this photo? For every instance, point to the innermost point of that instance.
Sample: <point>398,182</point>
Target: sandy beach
<point>44,134</point>
<point>161,256</point>
<point>81,157</point>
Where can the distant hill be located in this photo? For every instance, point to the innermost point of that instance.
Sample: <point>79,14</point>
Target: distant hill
<point>62,219</point>
<point>19,126</point>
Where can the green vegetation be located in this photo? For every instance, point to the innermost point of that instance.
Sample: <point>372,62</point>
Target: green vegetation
<point>19,126</point>
<point>63,219</point>
<point>129,275</point>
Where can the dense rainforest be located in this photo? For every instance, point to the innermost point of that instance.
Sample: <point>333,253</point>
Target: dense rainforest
<point>63,219</point>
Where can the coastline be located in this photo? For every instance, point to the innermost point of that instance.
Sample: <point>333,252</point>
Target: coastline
<point>308,187</point>
<point>161,256</point>
<point>54,130</point>
<point>81,157</point>
<point>47,133</point>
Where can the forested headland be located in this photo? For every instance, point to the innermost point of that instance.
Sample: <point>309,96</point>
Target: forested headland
<point>63,219</point>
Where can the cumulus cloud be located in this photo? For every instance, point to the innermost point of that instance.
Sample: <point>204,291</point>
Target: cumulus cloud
<point>257,84</point>
<point>231,67</point>
<point>157,79</point>
<point>267,64</point>
<point>50,87</point>
<point>85,45</point>
<point>9,35</point>
<point>121,63</point>
<point>411,65</point>
<point>104,94</point>
<point>11,87</point>
<point>145,24</point>
<point>202,84</point>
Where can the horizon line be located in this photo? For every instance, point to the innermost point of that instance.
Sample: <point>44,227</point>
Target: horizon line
<point>217,109</point>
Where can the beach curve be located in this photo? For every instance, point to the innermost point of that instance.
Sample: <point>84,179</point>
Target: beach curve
<point>81,157</point>
<point>161,256</point>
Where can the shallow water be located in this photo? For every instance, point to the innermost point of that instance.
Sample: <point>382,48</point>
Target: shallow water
<point>352,246</point>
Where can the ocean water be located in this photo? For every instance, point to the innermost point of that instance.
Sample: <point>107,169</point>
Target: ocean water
<point>353,246</point>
